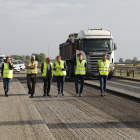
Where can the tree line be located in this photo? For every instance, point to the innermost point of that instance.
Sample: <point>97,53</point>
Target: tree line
<point>128,60</point>
<point>39,57</point>
<point>20,57</point>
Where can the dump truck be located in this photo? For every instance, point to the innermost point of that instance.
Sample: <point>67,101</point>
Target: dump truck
<point>92,43</point>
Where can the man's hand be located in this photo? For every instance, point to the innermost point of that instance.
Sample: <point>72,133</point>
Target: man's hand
<point>60,68</point>
<point>1,77</point>
<point>54,67</point>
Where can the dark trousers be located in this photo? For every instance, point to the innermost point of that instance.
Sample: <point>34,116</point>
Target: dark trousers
<point>31,78</point>
<point>47,85</point>
<point>6,84</point>
<point>60,79</point>
<point>77,78</point>
<point>103,82</point>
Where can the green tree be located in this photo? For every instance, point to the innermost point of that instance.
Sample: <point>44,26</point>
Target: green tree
<point>28,57</point>
<point>17,58</point>
<point>22,57</point>
<point>121,60</point>
<point>40,57</point>
<point>128,60</point>
<point>135,59</point>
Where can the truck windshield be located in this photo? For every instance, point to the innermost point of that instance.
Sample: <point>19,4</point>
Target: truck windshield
<point>97,44</point>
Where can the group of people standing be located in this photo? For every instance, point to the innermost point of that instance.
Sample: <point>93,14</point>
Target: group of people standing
<point>47,68</point>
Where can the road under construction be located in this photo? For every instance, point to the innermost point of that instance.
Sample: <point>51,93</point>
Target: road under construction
<point>115,116</point>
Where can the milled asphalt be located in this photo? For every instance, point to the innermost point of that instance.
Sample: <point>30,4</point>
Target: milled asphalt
<point>19,118</point>
<point>70,118</point>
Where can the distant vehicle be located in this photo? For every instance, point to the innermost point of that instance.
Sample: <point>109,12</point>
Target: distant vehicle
<point>16,66</point>
<point>2,57</point>
<point>21,65</point>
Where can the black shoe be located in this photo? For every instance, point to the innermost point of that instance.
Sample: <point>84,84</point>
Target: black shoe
<point>102,94</point>
<point>6,94</point>
<point>29,92</point>
<point>48,93</point>
<point>62,94</point>
<point>32,96</point>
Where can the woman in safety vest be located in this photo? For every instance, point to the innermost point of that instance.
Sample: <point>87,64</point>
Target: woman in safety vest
<point>7,74</point>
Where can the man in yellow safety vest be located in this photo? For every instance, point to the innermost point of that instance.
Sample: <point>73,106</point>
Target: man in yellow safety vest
<point>80,71</point>
<point>103,68</point>
<point>60,73</point>
<point>31,75</point>
<point>47,74</point>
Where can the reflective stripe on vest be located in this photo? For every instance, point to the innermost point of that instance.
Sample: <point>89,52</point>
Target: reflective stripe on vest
<point>45,69</point>
<point>58,71</point>
<point>32,71</point>
<point>103,68</point>
<point>80,68</point>
<point>7,73</point>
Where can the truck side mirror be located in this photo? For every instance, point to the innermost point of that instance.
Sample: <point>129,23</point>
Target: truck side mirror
<point>115,46</point>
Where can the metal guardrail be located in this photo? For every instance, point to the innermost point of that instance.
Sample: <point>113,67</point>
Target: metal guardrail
<point>135,68</point>
<point>122,67</point>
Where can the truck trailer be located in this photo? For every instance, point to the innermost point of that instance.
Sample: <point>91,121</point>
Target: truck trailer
<point>92,44</point>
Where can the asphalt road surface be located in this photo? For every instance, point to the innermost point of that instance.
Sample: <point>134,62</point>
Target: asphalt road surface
<point>88,117</point>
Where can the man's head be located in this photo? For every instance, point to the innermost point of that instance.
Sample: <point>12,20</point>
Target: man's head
<point>80,56</point>
<point>58,58</point>
<point>104,56</point>
<point>48,60</point>
<point>32,57</point>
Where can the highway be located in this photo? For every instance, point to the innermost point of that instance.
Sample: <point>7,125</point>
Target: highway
<point>90,116</point>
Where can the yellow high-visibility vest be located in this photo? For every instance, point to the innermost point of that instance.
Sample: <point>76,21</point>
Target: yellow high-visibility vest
<point>45,69</point>
<point>80,67</point>
<point>7,73</point>
<point>58,71</point>
<point>32,71</point>
<point>103,68</point>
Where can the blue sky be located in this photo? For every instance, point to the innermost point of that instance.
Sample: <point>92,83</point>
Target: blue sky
<point>29,26</point>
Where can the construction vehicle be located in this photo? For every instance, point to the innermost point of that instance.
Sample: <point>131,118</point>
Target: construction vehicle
<point>92,44</point>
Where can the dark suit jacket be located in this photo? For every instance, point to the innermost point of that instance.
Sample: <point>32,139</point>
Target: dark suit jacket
<point>49,72</point>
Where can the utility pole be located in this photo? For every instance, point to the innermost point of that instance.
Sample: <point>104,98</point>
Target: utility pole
<point>48,51</point>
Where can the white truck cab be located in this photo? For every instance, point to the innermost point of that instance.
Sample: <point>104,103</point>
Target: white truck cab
<point>93,44</point>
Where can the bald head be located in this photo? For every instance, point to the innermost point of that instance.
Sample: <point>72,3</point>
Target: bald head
<point>48,60</point>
